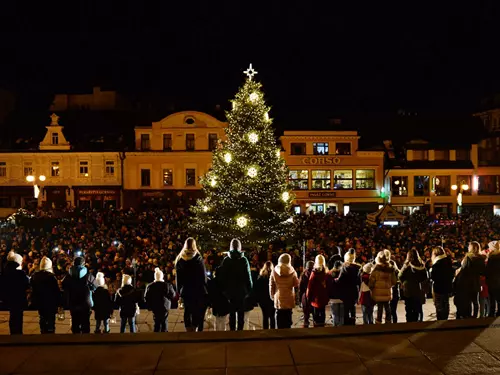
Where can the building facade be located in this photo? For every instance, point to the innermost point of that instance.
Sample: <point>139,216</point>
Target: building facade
<point>330,172</point>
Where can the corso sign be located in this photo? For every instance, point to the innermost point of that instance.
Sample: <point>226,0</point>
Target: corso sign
<point>320,160</point>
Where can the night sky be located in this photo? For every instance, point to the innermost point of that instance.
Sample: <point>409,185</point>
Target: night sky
<point>315,62</point>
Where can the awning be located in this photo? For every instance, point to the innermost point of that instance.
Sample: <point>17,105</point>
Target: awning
<point>386,213</point>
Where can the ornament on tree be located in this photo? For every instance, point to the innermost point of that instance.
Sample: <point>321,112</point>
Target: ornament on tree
<point>285,196</point>
<point>253,137</point>
<point>254,97</point>
<point>242,221</point>
<point>228,157</point>
<point>252,172</point>
<point>205,208</point>
<point>213,182</point>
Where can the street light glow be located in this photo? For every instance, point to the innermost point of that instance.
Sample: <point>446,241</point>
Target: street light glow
<point>454,187</point>
<point>41,178</point>
<point>30,178</point>
<point>465,187</point>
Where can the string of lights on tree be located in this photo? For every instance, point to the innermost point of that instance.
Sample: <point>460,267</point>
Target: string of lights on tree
<point>247,193</point>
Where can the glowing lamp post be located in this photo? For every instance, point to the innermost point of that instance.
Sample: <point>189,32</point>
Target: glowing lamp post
<point>34,180</point>
<point>463,187</point>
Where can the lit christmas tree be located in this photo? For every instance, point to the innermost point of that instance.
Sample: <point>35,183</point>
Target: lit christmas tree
<point>247,194</point>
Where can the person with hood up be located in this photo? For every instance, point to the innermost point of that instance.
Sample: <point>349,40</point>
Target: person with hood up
<point>191,283</point>
<point>395,289</point>
<point>78,287</point>
<point>412,275</point>
<point>46,296</point>
<point>441,274</point>
<point>236,278</point>
<point>14,288</point>
<point>282,284</point>
<point>336,296</point>
<point>159,296</point>
<point>218,302</point>
<point>127,299</point>
<point>103,304</point>
<point>381,281</point>
<point>492,273</point>
<point>365,296</point>
<point>317,290</point>
<point>349,280</point>
<point>303,283</point>
<point>264,298</point>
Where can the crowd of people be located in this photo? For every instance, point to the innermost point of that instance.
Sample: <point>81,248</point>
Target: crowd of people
<point>109,260</point>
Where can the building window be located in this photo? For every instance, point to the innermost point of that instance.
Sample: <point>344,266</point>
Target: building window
<point>465,180</point>
<point>320,148</point>
<point>55,138</point>
<point>342,179</point>
<point>84,169</point>
<point>3,169</point>
<point>321,179</point>
<point>463,155</point>
<point>189,142</point>
<point>145,142</point>
<point>488,185</point>
<point>168,177</point>
<point>145,177</point>
<point>55,171</point>
<point>190,177</point>
<point>343,148</point>
<point>212,142</point>
<point>110,168</point>
<point>299,179</point>
<point>167,142</point>
<point>399,186</point>
<point>298,148</point>
<point>442,185</point>
<point>441,155</point>
<point>28,169</point>
<point>420,155</point>
<point>421,186</point>
<point>365,179</point>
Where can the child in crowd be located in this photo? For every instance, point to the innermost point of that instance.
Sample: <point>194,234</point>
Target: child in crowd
<point>159,296</point>
<point>127,300</point>
<point>335,294</point>
<point>365,298</point>
<point>103,304</point>
<point>218,302</point>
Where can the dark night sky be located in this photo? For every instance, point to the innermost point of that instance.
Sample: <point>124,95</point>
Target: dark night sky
<point>315,61</point>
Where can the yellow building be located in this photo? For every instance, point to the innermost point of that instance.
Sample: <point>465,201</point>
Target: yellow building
<point>329,171</point>
<point>170,156</point>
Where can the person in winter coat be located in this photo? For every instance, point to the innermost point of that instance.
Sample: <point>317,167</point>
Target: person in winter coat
<point>303,283</point>
<point>395,289</point>
<point>46,296</point>
<point>441,274</point>
<point>381,281</point>
<point>191,283</point>
<point>218,302</point>
<point>336,256</point>
<point>335,294</point>
<point>282,284</point>
<point>78,287</point>
<point>236,279</point>
<point>127,299</point>
<point>365,296</point>
<point>492,272</point>
<point>317,290</point>
<point>15,285</point>
<point>251,299</point>
<point>412,275</point>
<point>103,304</point>
<point>350,282</point>
<point>484,298</point>
<point>266,304</point>
<point>159,296</point>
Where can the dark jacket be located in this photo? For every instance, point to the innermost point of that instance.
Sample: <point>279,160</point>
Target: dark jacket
<point>14,286</point>
<point>303,283</point>
<point>473,266</point>
<point>218,301</point>
<point>78,286</point>
<point>127,299</point>
<point>411,277</point>
<point>191,279</point>
<point>45,292</point>
<point>335,290</point>
<point>235,276</point>
<point>441,274</point>
<point>103,303</point>
<point>159,296</point>
<point>261,289</point>
<point>493,271</point>
<point>333,259</point>
<point>349,280</point>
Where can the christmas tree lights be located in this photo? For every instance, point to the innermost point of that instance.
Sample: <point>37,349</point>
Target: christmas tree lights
<point>247,190</point>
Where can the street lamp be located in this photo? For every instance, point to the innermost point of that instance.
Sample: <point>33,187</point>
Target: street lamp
<point>32,179</point>
<point>463,187</point>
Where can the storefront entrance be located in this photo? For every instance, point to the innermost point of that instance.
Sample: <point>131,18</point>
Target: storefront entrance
<point>322,207</point>
<point>102,197</point>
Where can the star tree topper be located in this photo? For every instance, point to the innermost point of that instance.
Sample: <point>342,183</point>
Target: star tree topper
<point>250,72</point>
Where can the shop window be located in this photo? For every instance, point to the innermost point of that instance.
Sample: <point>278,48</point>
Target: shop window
<point>343,148</point>
<point>317,207</point>
<point>441,155</point>
<point>342,179</point>
<point>190,177</point>
<point>55,171</point>
<point>145,142</point>
<point>167,142</point>
<point>421,186</point>
<point>189,142</point>
<point>3,169</point>
<point>110,168</point>
<point>321,179</point>
<point>320,148</point>
<point>463,154</point>
<point>465,180</point>
<point>28,169</point>
<point>145,177</point>
<point>212,141</point>
<point>55,138</point>
<point>299,179</point>
<point>84,169</point>
<point>442,185</point>
<point>365,179</point>
<point>420,155</point>
<point>489,185</point>
<point>168,177</point>
<point>298,148</point>
<point>399,186</point>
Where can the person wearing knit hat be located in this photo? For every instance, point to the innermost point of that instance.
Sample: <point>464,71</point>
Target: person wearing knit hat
<point>381,281</point>
<point>350,256</point>
<point>159,296</point>
<point>46,296</point>
<point>127,299</point>
<point>14,286</point>
<point>103,304</point>
<point>282,285</point>
<point>395,288</point>
<point>365,298</point>
<point>349,279</point>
